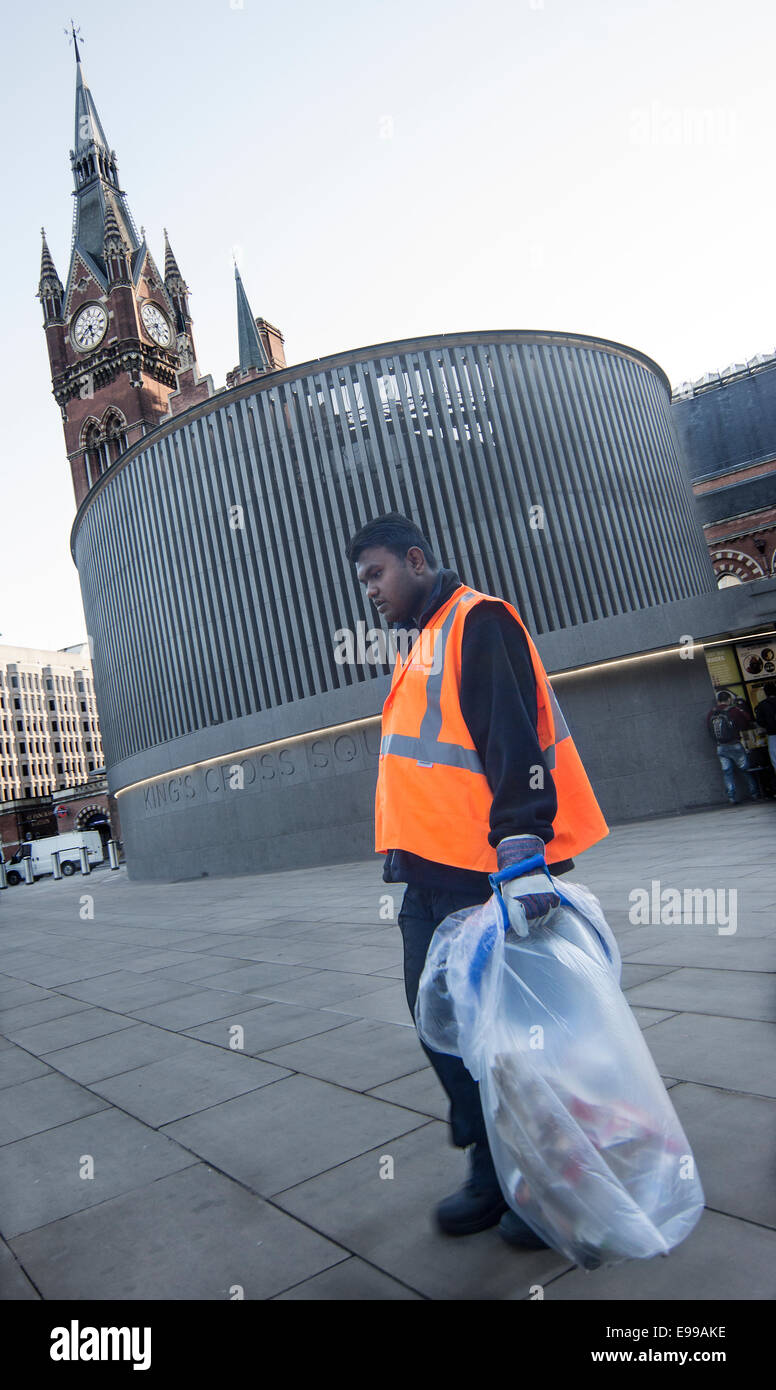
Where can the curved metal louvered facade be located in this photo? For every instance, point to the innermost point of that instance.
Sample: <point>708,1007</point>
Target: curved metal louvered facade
<point>543,468</point>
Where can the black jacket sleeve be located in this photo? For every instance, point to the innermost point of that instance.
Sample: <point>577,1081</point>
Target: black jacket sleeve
<point>498,703</point>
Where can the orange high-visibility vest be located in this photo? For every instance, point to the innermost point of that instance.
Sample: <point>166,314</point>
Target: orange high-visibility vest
<point>433,798</point>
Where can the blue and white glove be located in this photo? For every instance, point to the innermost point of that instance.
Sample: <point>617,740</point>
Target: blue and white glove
<point>527,896</point>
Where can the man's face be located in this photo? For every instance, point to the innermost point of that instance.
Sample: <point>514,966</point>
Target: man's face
<point>394,585</point>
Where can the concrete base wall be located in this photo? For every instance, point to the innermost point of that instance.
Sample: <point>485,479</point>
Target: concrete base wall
<point>639,729</point>
<point>309,798</point>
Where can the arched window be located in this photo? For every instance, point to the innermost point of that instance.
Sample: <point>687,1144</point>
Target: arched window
<point>103,442</point>
<point>92,438</point>
<point>114,431</point>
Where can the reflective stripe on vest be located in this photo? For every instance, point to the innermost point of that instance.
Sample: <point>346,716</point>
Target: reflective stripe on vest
<point>426,749</point>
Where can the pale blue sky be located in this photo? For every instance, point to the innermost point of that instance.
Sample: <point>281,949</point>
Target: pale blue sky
<point>384,170</point>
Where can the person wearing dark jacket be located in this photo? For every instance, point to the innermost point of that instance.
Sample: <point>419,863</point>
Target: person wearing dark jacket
<point>497,695</point>
<point>725,721</point>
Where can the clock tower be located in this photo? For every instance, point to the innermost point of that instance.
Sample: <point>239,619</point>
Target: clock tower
<point>119,333</point>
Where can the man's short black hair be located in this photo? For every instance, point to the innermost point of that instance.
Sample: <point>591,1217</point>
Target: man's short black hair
<point>723,695</point>
<point>394,531</point>
<point>770,689</point>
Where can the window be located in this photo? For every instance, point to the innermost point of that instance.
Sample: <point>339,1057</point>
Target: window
<point>57,748</point>
<point>52,704</point>
<point>116,435</point>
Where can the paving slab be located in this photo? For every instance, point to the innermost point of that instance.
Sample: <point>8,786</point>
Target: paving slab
<point>731,1133</point>
<point>421,1091</point>
<point>353,1281</point>
<point>189,1010</point>
<point>728,1052</point>
<point>14,1283</point>
<point>725,993</point>
<point>365,960</point>
<point>18,993</point>
<point>41,1103</point>
<point>40,1011</point>
<point>284,1133</point>
<point>722,1259</point>
<point>325,987</point>
<point>40,1177</point>
<point>200,966</point>
<point>192,1235</point>
<point>118,1052</point>
<point>121,989</point>
<point>18,1066</point>
<point>389,1221</point>
<point>726,952</point>
<point>633,975</point>
<point>41,1038</point>
<point>358,1055</point>
<point>153,960</point>
<point>185,1083</point>
<point>251,979</point>
<point>646,1017</point>
<point>271,950</point>
<point>64,974</point>
<point>268,1024</point>
<point>388,1004</point>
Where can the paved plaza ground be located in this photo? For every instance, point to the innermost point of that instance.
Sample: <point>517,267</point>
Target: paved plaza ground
<point>216,1170</point>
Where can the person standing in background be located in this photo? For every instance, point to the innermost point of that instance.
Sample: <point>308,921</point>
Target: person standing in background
<point>725,721</point>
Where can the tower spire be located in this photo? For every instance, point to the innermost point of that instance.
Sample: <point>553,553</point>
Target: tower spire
<point>252,351</point>
<point>178,291</point>
<point>96,178</point>
<point>50,290</point>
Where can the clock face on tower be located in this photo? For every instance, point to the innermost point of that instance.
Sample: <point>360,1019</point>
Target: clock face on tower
<point>89,327</point>
<point>156,325</point>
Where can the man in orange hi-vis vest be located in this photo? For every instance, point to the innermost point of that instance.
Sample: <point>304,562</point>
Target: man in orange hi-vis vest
<point>478,772</point>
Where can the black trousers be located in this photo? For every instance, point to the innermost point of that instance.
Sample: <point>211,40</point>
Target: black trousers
<point>421,912</point>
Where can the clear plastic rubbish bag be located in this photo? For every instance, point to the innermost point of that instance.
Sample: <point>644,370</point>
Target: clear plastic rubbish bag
<point>587,1145</point>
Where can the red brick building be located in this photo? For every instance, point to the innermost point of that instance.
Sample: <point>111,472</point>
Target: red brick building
<point>726,422</point>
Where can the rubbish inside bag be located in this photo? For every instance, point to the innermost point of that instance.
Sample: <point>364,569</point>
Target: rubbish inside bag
<point>588,1148</point>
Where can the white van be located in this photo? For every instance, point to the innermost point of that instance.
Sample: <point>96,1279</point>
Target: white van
<point>39,852</point>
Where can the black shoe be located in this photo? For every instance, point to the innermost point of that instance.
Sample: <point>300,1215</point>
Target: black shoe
<point>470,1209</point>
<point>516,1232</point>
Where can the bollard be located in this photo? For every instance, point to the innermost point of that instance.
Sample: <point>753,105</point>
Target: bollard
<point>113,854</point>
<point>29,876</point>
<point>86,867</point>
<point>56,867</point>
<point>3,875</point>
